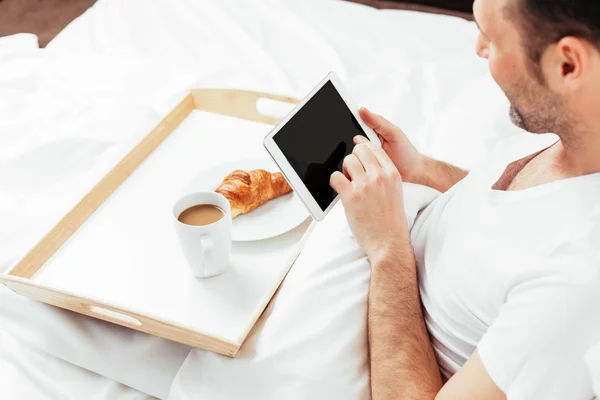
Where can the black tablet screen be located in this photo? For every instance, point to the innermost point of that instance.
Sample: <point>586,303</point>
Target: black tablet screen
<point>316,140</point>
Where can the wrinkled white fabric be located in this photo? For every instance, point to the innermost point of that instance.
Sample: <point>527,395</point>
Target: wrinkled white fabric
<point>29,373</point>
<point>69,112</point>
<point>19,41</point>
<point>592,359</point>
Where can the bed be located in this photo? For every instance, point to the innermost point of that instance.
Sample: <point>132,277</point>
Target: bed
<point>68,112</point>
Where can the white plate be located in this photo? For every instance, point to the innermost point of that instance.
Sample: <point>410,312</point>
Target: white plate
<point>272,219</point>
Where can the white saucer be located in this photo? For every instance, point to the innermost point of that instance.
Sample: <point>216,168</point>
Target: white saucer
<point>272,219</point>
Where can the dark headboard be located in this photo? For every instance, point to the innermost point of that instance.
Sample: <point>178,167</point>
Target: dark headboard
<point>458,8</point>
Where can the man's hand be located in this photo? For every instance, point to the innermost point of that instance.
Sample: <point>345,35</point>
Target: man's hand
<point>413,166</point>
<point>371,191</point>
<point>401,151</point>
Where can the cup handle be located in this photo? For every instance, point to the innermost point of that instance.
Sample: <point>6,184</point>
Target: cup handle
<point>206,244</point>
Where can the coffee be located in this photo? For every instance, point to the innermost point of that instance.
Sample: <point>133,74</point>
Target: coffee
<point>201,214</point>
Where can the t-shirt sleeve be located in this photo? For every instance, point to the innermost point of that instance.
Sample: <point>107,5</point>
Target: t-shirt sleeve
<point>535,347</point>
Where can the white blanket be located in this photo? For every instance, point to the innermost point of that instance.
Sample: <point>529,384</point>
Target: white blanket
<point>29,373</point>
<point>592,359</point>
<point>69,112</point>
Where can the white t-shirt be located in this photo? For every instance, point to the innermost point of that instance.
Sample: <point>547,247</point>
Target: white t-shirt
<point>515,274</point>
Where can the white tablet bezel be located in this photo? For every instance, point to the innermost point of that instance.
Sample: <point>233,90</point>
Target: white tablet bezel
<point>282,162</point>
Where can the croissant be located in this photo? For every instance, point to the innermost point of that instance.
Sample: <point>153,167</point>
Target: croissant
<point>248,190</point>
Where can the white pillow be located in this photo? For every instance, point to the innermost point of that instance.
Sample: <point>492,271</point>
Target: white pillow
<point>311,342</point>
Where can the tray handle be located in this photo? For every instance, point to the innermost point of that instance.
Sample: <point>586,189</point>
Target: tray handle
<point>111,315</point>
<point>118,315</point>
<point>237,103</point>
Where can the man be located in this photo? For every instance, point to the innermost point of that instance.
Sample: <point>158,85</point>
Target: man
<point>501,298</point>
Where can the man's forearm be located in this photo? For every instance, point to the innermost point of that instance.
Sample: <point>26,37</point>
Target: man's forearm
<point>403,365</point>
<point>439,175</point>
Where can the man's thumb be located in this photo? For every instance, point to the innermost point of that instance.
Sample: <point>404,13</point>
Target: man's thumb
<point>380,125</point>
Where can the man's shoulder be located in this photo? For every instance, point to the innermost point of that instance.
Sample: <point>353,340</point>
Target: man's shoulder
<point>577,259</point>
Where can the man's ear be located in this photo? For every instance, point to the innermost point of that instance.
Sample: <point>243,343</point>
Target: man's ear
<point>570,61</point>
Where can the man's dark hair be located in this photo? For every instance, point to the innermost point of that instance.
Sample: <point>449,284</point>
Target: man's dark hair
<point>544,22</point>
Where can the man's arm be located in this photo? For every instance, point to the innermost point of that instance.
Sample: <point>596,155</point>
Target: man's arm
<point>403,365</point>
<point>439,175</point>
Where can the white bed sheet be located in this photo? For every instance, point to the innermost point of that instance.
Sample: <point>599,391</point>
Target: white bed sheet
<point>30,373</point>
<point>69,112</point>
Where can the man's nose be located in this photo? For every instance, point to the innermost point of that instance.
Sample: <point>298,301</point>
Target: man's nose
<point>481,48</point>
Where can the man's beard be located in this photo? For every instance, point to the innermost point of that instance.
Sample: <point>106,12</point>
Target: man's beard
<point>536,109</point>
<point>517,118</point>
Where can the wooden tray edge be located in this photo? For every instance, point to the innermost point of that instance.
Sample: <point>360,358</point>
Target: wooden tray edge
<point>119,315</point>
<point>229,102</point>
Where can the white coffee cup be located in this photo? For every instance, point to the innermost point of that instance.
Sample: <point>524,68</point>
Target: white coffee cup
<point>206,247</point>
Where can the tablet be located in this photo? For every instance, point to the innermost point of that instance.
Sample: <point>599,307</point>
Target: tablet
<point>310,143</point>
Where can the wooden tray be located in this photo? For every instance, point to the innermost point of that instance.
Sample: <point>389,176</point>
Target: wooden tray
<point>97,262</point>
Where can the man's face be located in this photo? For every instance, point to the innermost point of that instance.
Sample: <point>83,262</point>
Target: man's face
<point>533,106</point>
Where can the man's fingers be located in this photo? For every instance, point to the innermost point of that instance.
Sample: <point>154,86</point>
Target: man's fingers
<point>384,160</point>
<point>380,125</point>
<point>353,168</point>
<point>382,157</point>
<point>339,182</point>
<point>358,139</point>
<point>365,155</point>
